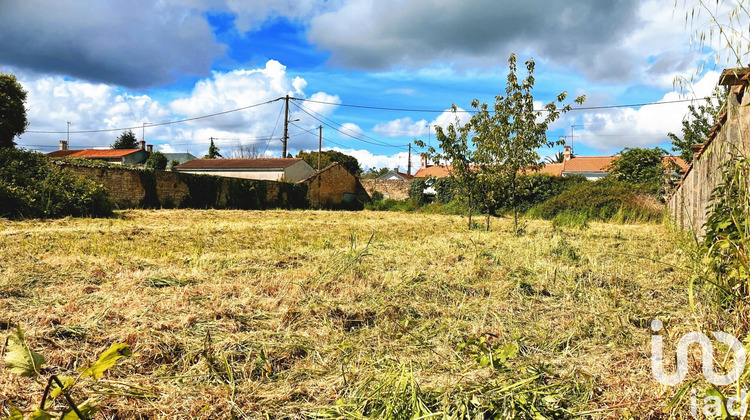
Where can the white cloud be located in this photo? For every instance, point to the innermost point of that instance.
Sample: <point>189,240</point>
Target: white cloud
<point>52,101</point>
<point>369,160</point>
<point>613,129</point>
<point>407,127</point>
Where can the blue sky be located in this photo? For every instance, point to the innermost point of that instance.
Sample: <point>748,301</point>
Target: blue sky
<point>106,65</point>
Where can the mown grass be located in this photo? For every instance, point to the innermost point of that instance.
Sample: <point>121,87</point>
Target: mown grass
<point>297,314</point>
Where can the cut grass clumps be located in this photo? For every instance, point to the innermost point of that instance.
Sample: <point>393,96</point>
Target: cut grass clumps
<point>161,282</point>
<point>291,312</point>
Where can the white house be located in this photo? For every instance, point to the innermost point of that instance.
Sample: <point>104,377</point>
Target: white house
<point>291,169</point>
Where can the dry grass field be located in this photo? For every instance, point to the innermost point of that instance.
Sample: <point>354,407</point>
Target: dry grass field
<point>299,314</point>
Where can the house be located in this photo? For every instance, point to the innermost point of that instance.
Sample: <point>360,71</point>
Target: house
<point>591,167</point>
<point>395,174</point>
<point>180,157</point>
<point>117,156</point>
<point>271,169</point>
<point>335,187</point>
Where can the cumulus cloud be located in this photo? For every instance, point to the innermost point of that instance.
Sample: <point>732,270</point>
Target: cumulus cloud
<point>135,44</point>
<point>613,129</point>
<point>368,160</point>
<point>377,35</point>
<point>407,127</point>
<point>53,100</point>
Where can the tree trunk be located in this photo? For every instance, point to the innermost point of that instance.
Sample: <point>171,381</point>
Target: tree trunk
<point>488,220</point>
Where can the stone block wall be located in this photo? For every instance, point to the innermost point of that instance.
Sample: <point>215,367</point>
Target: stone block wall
<point>335,187</point>
<point>687,205</point>
<point>390,188</point>
<point>131,188</point>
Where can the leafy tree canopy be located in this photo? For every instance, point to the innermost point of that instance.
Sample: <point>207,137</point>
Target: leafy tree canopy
<point>157,160</point>
<point>126,140</point>
<point>637,165</point>
<point>373,173</point>
<point>330,156</point>
<point>12,110</point>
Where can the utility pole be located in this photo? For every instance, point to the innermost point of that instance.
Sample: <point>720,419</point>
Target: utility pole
<point>408,165</point>
<point>320,144</point>
<point>286,126</point>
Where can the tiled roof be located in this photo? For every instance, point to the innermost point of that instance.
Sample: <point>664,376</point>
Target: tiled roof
<point>218,164</point>
<point>435,171</point>
<point>551,168</point>
<point>587,164</point>
<point>62,153</point>
<point>94,153</point>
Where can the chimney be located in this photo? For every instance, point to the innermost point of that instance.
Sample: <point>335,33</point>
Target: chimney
<point>567,153</point>
<point>424,160</point>
<point>63,145</point>
<point>150,148</point>
<point>143,144</point>
<point>395,170</point>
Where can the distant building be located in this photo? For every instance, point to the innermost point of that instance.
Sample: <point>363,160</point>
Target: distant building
<point>287,169</point>
<point>118,156</point>
<point>591,167</point>
<point>395,174</point>
<point>180,157</point>
<point>335,187</point>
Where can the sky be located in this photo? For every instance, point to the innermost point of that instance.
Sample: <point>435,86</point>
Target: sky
<point>374,74</point>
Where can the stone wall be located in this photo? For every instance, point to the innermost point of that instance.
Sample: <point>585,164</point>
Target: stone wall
<point>335,187</point>
<point>396,189</point>
<point>130,188</point>
<point>687,204</point>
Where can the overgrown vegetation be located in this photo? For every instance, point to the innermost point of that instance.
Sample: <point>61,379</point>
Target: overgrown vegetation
<point>603,200</point>
<point>249,315</point>
<point>31,187</point>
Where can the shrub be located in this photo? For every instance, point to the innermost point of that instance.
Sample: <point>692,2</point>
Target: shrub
<point>376,196</point>
<point>537,188</point>
<point>606,200</point>
<point>31,187</point>
<point>416,190</point>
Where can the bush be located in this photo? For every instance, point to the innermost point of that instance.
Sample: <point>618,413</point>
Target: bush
<point>376,196</point>
<point>157,160</point>
<point>31,187</point>
<point>416,191</point>
<point>538,188</point>
<point>605,200</point>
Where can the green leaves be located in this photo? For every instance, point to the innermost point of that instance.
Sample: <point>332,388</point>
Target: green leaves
<point>107,359</point>
<point>19,358</point>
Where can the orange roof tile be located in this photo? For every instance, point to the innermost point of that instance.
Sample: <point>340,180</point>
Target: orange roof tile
<point>94,153</point>
<point>555,169</point>
<point>435,171</point>
<point>588,163</point>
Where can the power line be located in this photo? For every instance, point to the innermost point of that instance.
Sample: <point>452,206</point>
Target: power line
<point>341,129</point>
<point>579,108</point>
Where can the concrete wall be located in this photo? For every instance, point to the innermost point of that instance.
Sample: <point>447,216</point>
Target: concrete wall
<point>128,187</point>
<point>687,205</point>
<point>334,187</point>
<point>390,188</point>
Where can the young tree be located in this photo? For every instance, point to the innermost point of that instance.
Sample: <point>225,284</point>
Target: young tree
<point>126,140</point>
<point>509,135</point>
<point>12,110</point>
<point>213,151</point>
<point>698,125</point>
<point>457,150</point>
